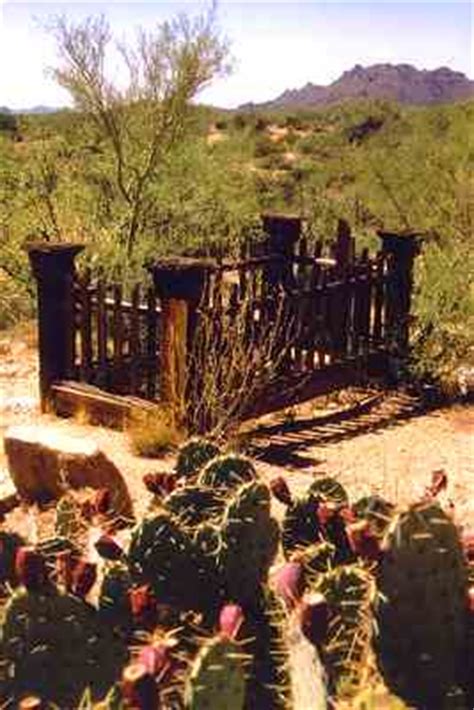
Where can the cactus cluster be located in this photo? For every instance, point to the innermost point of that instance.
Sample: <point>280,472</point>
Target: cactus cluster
<point>192,611</point>
<point>193,563</point>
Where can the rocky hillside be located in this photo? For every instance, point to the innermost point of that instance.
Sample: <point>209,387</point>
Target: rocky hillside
<point>400,82</point>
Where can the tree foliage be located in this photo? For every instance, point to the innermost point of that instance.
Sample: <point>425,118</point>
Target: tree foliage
<point>165,68</point>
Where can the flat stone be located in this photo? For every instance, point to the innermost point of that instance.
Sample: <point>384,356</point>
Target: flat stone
<point>44,462</point>
<point>9,497</point>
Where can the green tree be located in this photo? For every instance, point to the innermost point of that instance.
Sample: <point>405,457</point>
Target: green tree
<point>144,117</point>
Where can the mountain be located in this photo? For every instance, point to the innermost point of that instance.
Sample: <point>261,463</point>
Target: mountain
<point>397,82</point>
<point>33,109</point>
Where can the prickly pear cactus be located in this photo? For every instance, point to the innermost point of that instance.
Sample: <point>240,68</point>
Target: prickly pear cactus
<point>68,522</point>
<point>301,526</point>
<point>228,472</point>
<point>193,505</point>
<point>217,678</point>
<point>57,646</point>
<point>285,670</point>
<point>194,455</point>
<point>349,591</point>
<point>330,490</point>
<point>249,542</point>
<point>376,510</point>
<point>316,559</point>
<point>52,546</point>
<point>114,601</point>
<point>165,556</point>
<point>269,673</point>
<point>10,542</point>
<point>421,614</point>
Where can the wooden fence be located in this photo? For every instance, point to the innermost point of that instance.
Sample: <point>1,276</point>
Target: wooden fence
<point>314,310</point>
<point>116,343</point>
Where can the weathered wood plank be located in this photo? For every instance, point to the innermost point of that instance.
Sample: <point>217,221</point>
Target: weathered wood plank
<point>152,369</point>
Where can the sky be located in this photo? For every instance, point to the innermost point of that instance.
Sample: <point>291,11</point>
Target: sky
<point>275,44</point>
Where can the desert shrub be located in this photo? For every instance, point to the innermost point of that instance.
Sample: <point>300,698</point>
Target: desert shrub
<point>265,146</point>
<point>152,432</point>
<point>8,122</point>
<point>443,337</point>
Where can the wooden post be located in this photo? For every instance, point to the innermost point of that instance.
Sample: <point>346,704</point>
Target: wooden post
<point>179,284</point>
<point>53,269</point>
<point>401,249</point>
<point>283,232</point>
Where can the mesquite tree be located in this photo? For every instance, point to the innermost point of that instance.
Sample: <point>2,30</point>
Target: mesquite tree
<point>144,112</point>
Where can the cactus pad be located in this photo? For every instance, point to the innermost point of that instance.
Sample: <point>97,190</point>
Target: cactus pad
<point>194,504</point>
<point>376,510</point>
<point>422,613</point>
<point>249,542</point>
<point>217,678</point>
<point>301,525</point>
<point>193,455</point>
<point>114,602</point>
<point>166,557</point>
<point>349,591</point>
<point>57,647</point>
<point>10,542</point>
<point>329,490</point>
<point>229,471</point>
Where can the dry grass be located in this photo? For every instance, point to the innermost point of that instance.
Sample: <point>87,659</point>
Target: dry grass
<point>153,432</point>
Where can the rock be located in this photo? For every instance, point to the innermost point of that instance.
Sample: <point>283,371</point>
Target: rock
<point>9,497</point>
<point>44,462</point>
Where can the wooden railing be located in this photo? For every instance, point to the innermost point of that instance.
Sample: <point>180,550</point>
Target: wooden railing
<point>327,306</point>
<point>116,341</point>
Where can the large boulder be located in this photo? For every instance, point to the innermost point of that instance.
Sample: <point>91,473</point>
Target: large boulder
<point>44,462</point>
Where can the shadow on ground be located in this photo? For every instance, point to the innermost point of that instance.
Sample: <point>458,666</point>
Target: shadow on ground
<point>284,442</point>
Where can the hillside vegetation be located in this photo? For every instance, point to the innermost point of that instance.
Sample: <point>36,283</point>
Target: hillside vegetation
<point>374,163</point>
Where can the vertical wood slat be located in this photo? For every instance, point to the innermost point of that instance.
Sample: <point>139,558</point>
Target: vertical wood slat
<point>313,307</point>
<point>321,312</point>
<point>117,334</point>
<point>366,287</point>
<point>152,364</point>
<point>135,340</point>
<point>85,326</point>
<point>360,304</point>
<point>101,331</point>
<point>377,333</point>
<point>302,269</point>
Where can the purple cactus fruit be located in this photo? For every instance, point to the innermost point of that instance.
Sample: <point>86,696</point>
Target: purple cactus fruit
<point>143,605</point>
<point>108,548</point>
<point>279,488</point>
<point>288,582</point>
<point>363,541</point>
<point>314,618</point>
<point>157,658</point>
<point>84,576</point>
<point>231,618</point>
<point>467,541</point>
<point>30,568</point>
<point>139,688</point>
<point>326,512</point>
